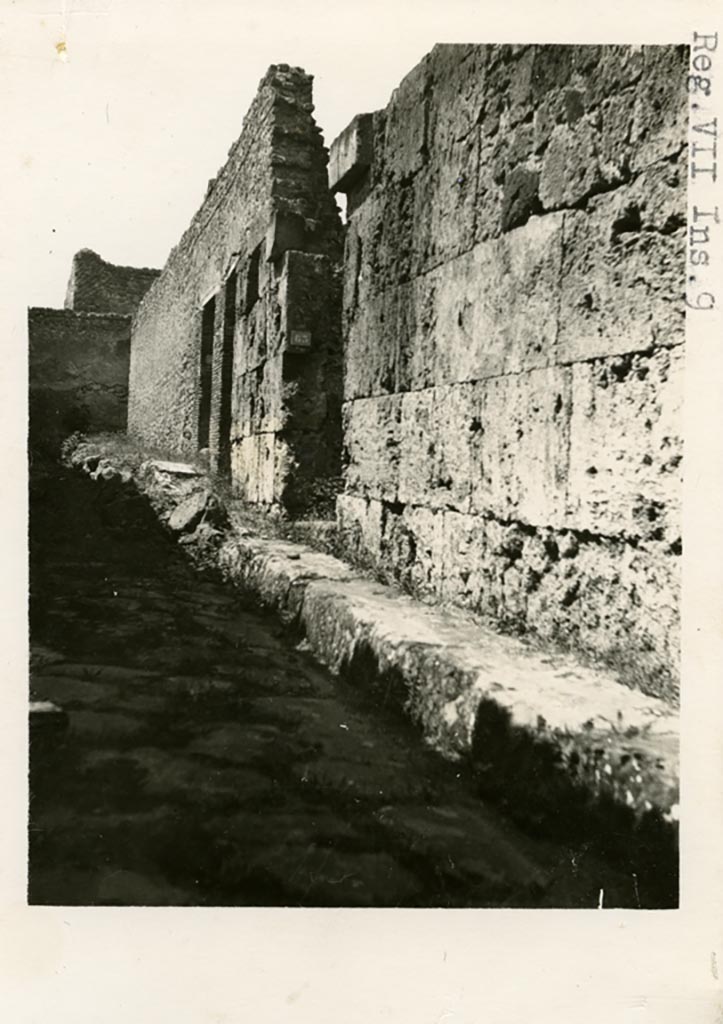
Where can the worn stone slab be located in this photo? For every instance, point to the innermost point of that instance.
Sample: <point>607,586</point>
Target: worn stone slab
<point>492,310</point>
<point>186,516</point>
<point>278,571</point>
<point>525,418</point>
<point>175,468</point>
<point>495,446</point>
<point>379,338</point>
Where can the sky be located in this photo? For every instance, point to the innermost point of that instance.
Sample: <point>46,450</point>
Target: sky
<point>129,108</point>
<point>117,112</point>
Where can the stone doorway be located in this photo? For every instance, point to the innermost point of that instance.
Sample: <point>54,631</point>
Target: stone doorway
<point>227,354</point>
<point>208,318</point>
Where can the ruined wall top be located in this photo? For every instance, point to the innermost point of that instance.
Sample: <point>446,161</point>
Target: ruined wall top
<point>530,115</point>
<point>270,139</point>
<point>238,269</point>
<point>96,286</point>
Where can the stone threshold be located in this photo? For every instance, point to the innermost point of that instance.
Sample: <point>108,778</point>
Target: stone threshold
<point>543,731</point>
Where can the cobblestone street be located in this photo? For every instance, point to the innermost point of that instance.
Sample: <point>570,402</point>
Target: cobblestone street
<point>207,760</point>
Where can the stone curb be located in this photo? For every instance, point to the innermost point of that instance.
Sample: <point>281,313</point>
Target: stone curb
<point>520,711</point>
<point>616,741</point>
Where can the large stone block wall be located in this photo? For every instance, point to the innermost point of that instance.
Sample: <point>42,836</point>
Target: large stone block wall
<point>78,374</point>
<point>257,378</point>
<point>96,286</point>
<point>514,332</point>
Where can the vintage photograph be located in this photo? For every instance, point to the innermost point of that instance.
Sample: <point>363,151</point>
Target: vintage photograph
<point>355,518</point>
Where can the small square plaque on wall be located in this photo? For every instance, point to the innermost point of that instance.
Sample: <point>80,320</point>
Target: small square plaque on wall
<point>299,341</point>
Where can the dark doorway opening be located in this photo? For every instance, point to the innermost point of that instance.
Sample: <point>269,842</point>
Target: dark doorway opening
<point>208,319</point>
<point>253,279</point>
<point>224,417</point>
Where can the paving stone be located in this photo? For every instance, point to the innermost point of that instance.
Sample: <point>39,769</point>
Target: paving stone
<point>69,691</point>
<point>133,889</point>
<point>470,844</point>
<point>320,876</point>
<point>372,780</point>
<point>236,743</point>
<point>105,726</point>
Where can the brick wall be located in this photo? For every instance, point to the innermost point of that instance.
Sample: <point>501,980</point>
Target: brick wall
<point>514,325</point>
<point>99,287</point>
<point>237,346</point>
<point>78,373</point>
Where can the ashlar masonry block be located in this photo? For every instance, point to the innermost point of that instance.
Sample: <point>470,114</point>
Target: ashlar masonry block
<point>351,154</point>
<point>457,74</point>
<point>494,309</point>
<point>465,546</point>
<point>286,231</point>
<point>372,431</point>
<point>625,446</point>
<point>259,401</point>
<point>360,521</point>
<point>623,271</point>
<point>405,138</point>
<point>414,541</point>
<point>379,338</point>
<point>571,168</point>
<point>304,289</point>
<point>439,455</point>
<point>526,422</point>
<point>444,228</point>
<point>660,106</point>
